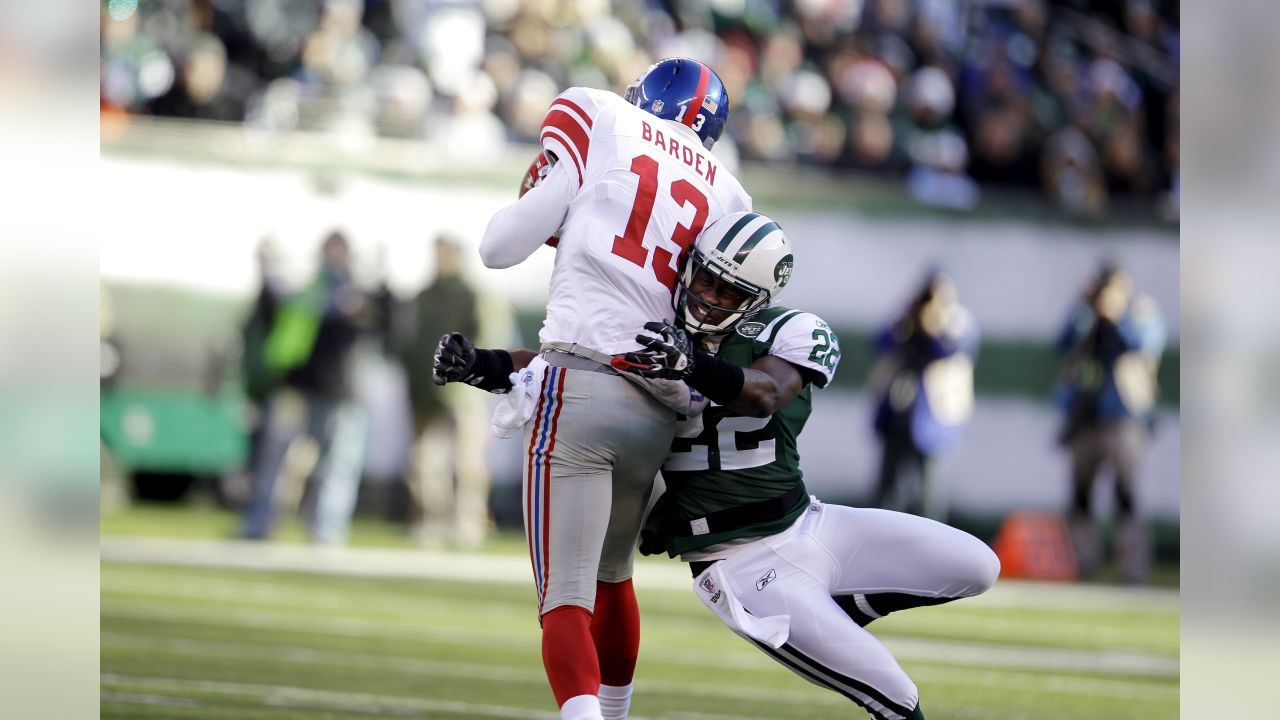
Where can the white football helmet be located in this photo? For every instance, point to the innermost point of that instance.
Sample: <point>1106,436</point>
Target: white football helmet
<point>745,251</point>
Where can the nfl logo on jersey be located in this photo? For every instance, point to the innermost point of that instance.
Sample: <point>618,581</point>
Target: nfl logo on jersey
<point>709,587</point>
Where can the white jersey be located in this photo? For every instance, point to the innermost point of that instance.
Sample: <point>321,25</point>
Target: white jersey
<point>642,189</point>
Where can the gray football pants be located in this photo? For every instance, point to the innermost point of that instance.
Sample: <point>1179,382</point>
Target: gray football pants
<point>592,450</point>
<point>833,554</point>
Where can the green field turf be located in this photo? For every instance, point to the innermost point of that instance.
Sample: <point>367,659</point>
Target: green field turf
<point>191,642</point>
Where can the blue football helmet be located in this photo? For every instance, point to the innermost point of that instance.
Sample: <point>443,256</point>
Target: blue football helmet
<point>685,91</point>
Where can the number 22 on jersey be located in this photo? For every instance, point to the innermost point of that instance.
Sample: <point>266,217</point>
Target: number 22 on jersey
<point>630,245</point>
<point>724,443</point>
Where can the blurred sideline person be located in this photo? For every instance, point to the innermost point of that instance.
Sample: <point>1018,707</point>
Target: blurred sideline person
<point>1111,350</point>
<point>307,351</point>
<point>625,185</point>
<point>111,358</point>
<point>797,578</point>
<point>258,379</point>
<point>447,445</point>
<point>923,382</point>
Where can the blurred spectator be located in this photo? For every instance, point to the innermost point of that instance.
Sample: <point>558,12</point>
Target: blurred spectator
<point>1072,175</point>
<point>1111,349</point>
<point>869,87</point>
<point>937,152</point>
<point>207,86</point>
<point>1020,72</point>
<point>112,493</point>
<point>110,357</point>
<point>923,385</point>
<point>307,350</point>
<point>448,478</point>
<point>258,379</point>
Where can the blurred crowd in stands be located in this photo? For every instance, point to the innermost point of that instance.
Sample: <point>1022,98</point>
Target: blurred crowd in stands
<point>1076,97</point>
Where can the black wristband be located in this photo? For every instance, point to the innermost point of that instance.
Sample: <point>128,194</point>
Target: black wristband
<point>492,370</point>
<point>720,381</point>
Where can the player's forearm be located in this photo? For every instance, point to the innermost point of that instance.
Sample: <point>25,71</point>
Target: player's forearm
<point>761,395</point>
<point>520,359</point>
<point>768,385</point>
<point>492,368</point>
<point>515,231</point>
<point>495,374</point>
<point>746,391</point>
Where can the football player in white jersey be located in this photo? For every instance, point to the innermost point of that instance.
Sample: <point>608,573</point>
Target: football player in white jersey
<point>797,578</point>
<point>626,186</point>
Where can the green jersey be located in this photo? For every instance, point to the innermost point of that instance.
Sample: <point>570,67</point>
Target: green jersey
<point>730,476</point>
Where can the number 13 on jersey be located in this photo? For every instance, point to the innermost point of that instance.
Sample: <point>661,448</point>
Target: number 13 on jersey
<point>630,244</point>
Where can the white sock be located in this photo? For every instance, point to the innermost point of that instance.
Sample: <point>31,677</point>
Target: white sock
<point>581,707</point>
<point>615,701</point>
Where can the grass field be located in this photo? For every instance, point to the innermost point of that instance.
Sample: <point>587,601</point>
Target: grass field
<point>210,638</point>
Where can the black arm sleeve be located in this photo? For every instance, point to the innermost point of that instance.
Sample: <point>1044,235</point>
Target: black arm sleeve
<point>492,370</point>
<point>720,381</point>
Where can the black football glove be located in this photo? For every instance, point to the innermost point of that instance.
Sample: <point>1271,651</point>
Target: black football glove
<point>674,356</point>
<point>455,360</point>
<point>671,356</point>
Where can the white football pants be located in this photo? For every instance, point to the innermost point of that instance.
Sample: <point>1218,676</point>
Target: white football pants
<point>835,554</point>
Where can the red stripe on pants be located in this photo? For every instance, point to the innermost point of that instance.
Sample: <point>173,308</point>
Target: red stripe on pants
<point>528,490</point>
<point>546,492</point>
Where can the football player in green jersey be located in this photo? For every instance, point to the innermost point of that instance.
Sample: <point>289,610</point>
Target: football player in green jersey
<point>795,577</point>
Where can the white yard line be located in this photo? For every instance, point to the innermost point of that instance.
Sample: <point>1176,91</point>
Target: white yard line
<point>141,699</point>
<point>308,698</point>
<point>419,666</point>
<point>1053,659</point>
<point>373,704</point>
<point>488,567</point>
<point>906,649</point>
<point>291,622</point>
<point>266,595</point>
<point>459,566</point>
<point>1109,687</point>
<point>296,697</point>
<point>265,589</point>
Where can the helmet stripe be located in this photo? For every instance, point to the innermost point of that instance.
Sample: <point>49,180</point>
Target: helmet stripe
<point>754,240</point>
<point>727,240</point>
<point>704,79</point>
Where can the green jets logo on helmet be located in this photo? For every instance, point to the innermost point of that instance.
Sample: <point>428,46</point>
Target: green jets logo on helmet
<point>782,271</point>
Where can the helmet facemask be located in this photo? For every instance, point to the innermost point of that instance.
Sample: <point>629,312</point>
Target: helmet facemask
<point>703,274</point>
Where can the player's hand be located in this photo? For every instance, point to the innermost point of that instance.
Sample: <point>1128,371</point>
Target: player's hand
<point>455,360</point>
<point>536,173</point>
<point>670,356</point>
